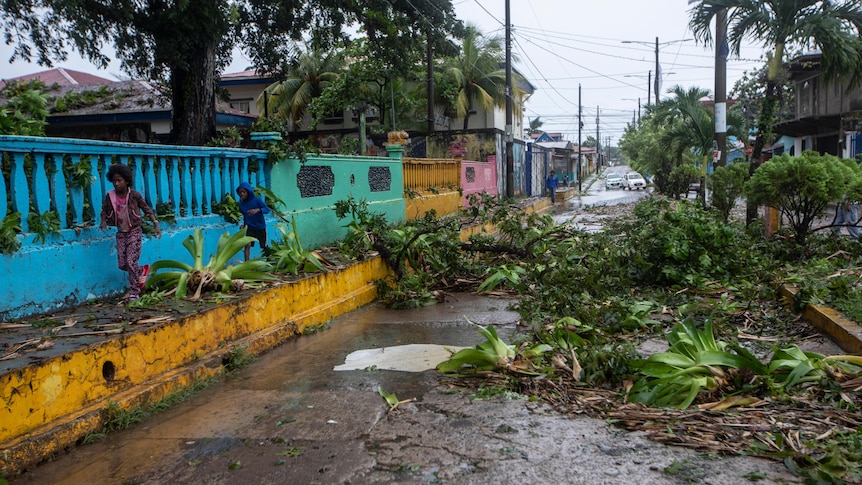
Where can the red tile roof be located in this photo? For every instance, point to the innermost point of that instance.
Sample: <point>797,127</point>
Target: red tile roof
<point>60,76</point>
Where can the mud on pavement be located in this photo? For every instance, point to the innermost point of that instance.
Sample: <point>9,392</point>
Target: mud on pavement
<point>290,418</point>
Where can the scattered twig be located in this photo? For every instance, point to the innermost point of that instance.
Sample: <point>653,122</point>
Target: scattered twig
<point>13,352</point>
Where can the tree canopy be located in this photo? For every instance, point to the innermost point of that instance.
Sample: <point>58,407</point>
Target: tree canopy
<point>832,27</point>
<point>187,44</point>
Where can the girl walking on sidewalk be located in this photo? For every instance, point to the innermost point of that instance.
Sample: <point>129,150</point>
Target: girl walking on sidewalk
<point>122,208</point>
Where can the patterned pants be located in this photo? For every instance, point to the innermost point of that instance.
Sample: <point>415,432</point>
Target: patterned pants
<point>128,255</point>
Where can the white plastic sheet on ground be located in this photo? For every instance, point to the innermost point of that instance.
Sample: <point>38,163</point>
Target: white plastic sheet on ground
<point>408,358</point>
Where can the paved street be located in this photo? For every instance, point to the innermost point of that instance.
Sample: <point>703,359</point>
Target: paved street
<point>290,418</point>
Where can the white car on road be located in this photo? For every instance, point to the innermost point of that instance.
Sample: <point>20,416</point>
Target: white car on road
<point>634,180</point>
<point>613,180</point>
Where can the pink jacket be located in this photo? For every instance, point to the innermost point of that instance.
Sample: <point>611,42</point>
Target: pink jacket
<point>136,205</point>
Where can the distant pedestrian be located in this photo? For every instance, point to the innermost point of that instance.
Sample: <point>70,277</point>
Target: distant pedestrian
<point>122,208</point>
<point>551,184</point>
<point>253,209</point>
<point>565,180</point>
<point>846,214</point>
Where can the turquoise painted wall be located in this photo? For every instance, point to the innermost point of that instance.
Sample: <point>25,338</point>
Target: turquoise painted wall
<point>310,191</point>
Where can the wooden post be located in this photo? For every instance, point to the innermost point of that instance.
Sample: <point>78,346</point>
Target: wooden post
<point>772,221</point>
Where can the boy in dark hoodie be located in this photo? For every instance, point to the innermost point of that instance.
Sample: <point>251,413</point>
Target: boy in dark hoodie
<point>253,209</point>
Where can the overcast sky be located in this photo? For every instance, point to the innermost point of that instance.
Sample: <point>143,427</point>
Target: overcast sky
<point>563,44</point>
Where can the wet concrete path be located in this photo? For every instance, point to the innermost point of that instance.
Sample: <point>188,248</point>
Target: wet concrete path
<point>289,418</point>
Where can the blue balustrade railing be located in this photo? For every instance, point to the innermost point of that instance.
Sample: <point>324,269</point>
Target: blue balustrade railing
<point>67,176</point>
<point>61,182</point>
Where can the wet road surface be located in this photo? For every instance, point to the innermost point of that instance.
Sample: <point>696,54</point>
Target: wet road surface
<point>595,194</point>
<point>289,418</point>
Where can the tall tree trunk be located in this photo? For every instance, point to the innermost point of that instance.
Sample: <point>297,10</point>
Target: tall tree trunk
<point>764,134</point>
<point>193,90</point>
<point>469,109</point>
<point>765,120</point>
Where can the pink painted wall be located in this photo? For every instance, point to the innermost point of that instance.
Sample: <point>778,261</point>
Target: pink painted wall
<point>478,176</point>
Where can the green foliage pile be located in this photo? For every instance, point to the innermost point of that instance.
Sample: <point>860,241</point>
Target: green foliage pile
<point>76,100</point>
<point>228,208</point>
<point>25,110</point>
<point>672,270</point>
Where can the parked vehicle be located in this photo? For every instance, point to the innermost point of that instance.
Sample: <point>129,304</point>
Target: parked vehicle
<point>634,180</point>
<point>694,187</point>
<point>613,180</point>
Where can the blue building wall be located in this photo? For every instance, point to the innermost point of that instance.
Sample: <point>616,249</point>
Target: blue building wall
<point>78,263</point>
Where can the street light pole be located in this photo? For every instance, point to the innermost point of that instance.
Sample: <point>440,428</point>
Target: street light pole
<point>580,126</point>
<point>598,143</point>
<point>657,73</point>
<point>721,86</point>
<point>657,82</point>
<point>510,161</point>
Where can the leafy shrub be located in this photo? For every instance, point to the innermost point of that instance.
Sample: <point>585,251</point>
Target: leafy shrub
<point>727,184</point>
<point>678,243</point>
<point>801,187</point>
<point>9,229</point>
<point>26,109</point>
<point>680,178</point>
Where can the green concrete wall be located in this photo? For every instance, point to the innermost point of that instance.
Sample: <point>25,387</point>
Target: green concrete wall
<point>311,189</point>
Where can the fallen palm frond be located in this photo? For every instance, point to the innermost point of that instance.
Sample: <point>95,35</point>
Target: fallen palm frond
<point>493,354</point>
<point>763,421</point>
<point>18,347</point>
<point>217,274</point>
<point>694,363</point>
<point>392,400</point>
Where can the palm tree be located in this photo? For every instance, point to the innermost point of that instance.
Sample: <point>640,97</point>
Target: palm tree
<point>535,125</point>
<point>834,27</point>
<point>688,128</point>
<point>289,99</point>
<point>690,123</point>
<point>477,74</point>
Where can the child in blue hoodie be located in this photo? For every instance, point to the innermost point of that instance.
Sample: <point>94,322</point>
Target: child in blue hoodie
<point>253,209</point>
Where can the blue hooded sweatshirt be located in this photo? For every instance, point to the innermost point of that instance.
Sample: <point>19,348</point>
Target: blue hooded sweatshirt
<point>252,221</point>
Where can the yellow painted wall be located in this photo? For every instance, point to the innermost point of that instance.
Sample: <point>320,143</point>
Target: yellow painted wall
<point>52,404</point>
<point>445,203</point>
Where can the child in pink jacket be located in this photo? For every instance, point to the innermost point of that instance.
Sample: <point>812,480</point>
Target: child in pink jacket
<point>122,208</point>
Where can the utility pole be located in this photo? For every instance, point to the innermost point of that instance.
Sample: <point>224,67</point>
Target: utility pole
<point>648,87</point>
<point>580,126</point>
<point>598,143</point>
<point>510,161</point>
<point>657,73</point>
<point>721,51</point>
<point>608,148</point>
<point>429,59</point>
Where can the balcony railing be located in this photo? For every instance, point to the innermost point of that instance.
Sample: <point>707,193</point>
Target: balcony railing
<point>420,174</point>
<point>67,176</point>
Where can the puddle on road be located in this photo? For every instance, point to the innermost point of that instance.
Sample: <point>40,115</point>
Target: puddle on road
<point>408,358</point>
